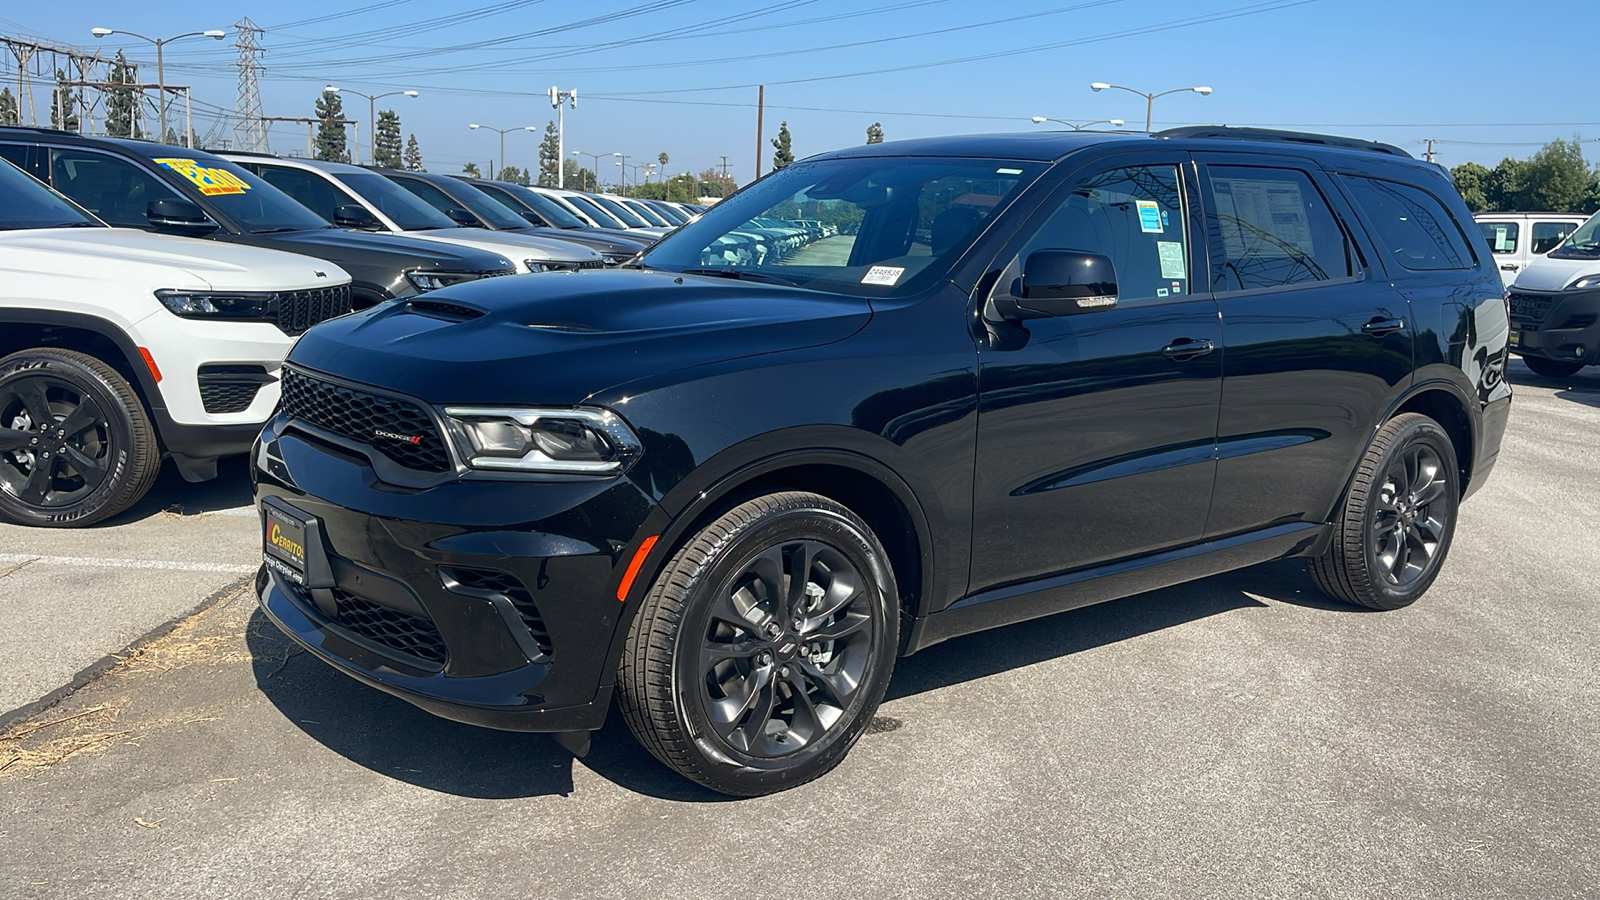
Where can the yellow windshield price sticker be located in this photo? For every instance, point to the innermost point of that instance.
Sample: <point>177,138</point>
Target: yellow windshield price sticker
<point>211,182</point>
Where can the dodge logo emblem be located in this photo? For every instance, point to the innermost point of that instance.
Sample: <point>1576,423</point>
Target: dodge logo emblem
<point>407,438</point>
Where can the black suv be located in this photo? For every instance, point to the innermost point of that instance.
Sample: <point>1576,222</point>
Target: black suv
<point>138,184</point>
<point>999,377</point>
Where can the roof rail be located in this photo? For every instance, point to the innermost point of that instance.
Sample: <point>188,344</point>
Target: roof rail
<point>41,129</point>
<point>1227,133</point>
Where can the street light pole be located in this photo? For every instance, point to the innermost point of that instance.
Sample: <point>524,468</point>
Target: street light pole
<point>494,175</point>
<point>372,119</point>
<point>161,70</point>
<point>557,97</point>
<point>596,158</point>
<point>1150,99</point>
<point>624,164</point>
<point>1114,123</point>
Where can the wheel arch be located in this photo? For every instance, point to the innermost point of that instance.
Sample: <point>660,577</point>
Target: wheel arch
<point>98,337</point>
<point>1444,403</point>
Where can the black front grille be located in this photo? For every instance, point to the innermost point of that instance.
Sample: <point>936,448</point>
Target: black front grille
<point>396,630</point>
<point>482,582</point>
<point>592,264</point>
<point>228,396</point>
<point>299,310</point>
<point>399,429</point>
<point>1530,307</point>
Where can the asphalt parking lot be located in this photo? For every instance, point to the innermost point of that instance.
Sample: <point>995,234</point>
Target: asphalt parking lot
<point>1239,736</point>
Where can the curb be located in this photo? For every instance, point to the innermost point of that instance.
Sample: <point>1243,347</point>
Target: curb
<point>108,662</point>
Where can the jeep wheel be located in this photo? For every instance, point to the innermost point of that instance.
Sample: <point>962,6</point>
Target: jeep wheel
<point>1551,368</point>
<point>764,647</point>
<point>1398,518</point>
<point>75,443</point>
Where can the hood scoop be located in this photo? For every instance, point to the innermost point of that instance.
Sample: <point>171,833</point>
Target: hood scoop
<point>439,309</point>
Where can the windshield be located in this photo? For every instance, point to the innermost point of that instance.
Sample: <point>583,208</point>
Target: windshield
<point>25,203</point>
<point>547,209</point>
<point>894,223</point>
<point>629,217</point>
<point>1583,243</point>
<point>648,214</point>
<point>243,197</point>
<point>405,208</point>
<point>668,213</point>
<point>487,208</point>
<point>593,211</point>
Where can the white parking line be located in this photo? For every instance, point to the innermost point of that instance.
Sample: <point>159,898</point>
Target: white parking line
<point>101,562</point>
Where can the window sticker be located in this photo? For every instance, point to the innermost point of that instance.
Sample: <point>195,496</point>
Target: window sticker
<point>1149,217</point>
<point>1161,292</point>
<point>1171,253</point>
<point>1262,218</point>
<point>211,182</point>
<point>885,275</point>
<point>1501,243</point>
<point>1008,171</point>
<point>1177,287</point>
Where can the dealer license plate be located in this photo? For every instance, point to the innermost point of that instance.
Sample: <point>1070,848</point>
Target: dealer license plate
<point>283,546</point>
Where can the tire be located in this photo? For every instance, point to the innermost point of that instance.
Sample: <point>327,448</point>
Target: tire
<point>53,400</point>
<point>1398,518</point>
<point>1550,368</point>
<point>723,682</point>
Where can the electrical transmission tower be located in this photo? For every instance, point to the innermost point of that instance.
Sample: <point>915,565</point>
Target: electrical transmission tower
<point>249,128</point>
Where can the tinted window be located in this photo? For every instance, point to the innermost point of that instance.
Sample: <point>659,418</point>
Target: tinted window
<point>497,193</point>
<point>1502,236</point>
<point>628,216</point>
<point>25,203</point>
<point>307,188</point>
<point>550,210</point>
<point>648,214</point>
<point>1134,216</point>
<point>593,211</point>
<point>1413,228</point>
<point>16,154</point>
<point>407,210</point>
<point>1272,227</point>
<point>486,207</point>
<point>1546,235</point>
<point>435,198</point>
<point>116,190</point>
<point>244,197</point>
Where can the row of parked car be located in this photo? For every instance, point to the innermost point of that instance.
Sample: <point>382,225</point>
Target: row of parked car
<point>162,336</point>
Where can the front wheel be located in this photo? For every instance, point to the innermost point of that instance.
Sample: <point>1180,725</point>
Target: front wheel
<point>764,647</point>
<point>1398,519</point>
<point>1550,368</point>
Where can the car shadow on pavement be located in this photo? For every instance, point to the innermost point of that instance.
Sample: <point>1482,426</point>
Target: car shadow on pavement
<point>171,495</point>
<point>391,737</point>
<point>1581,387</point>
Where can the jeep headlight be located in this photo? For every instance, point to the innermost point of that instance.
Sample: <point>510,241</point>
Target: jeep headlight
<point>582,441</point>
<point>432,279</point>
<point>216,304</point>
<point>537,265</point>
<point>1585,283</point>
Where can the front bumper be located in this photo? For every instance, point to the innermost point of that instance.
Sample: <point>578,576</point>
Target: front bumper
<point>1556,325</point>
<point>483,601</point>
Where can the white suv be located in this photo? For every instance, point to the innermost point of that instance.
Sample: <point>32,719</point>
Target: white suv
<point>119,348</point>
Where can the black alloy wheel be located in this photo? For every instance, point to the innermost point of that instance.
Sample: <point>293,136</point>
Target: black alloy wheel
<point>1551,368</point>
<point>763,648</point>
<point>75,443</point>
<point>1398,518</point>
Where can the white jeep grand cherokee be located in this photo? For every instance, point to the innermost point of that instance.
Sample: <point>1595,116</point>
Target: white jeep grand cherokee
<point>119,348</point>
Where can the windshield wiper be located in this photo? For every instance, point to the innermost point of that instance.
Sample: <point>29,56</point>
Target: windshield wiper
<point>742,274</point>
<point>73,225</point>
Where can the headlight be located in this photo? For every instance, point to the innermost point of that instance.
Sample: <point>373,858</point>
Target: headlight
<point>617,259</point>
<point>1586,282</point>
<point>583,441</point>
<point>536,265</point>
<point>214,305</point>
<point>432,280</point>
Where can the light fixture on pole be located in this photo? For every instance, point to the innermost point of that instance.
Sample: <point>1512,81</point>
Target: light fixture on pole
<point>161,70</point>
<point>1150,99</point>
<point>595,171</point>
<point>372,118</point>
<point>624,164</point>
<point>502,131</point>
<point>1114,123</point>
<point>557,98</point>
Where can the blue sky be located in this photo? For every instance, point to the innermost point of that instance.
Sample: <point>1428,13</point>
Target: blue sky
<point>1395,70</point>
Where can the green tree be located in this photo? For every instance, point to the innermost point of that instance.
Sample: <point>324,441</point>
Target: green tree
<point>63,105</point>
<point>782,148</point>
<point>1472,180</point>
<point>386,146</point>
<point>549,155</point>
<point>1558,178</point>
<point>413,157</point>
<point>471,170</point>
<point>330,142</point>
<point>875,133</point>
<point>8,108</point>
<point>663,158</point>
<point>714,184</point>
<point>514,175</point>
<point>1506,187</point>
<point>120,102</point>
<point>577,178</point>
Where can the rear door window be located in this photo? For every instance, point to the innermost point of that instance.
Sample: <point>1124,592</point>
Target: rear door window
<point>1271,228</point>
<point>1501,236</point>
<point>1546,235</point>
<point>1413,228</point>
<point>114,189</point>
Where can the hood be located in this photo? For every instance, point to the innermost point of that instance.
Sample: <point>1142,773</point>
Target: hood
<point>330,243</point>
<point>131,255</point>
<point>557,338</point>
<point>600,242</point>
<point>516,246</point>
<point>1550,274</point>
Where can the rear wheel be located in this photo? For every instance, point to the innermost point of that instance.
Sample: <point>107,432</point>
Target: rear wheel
<point>75,443</point>
<point>1550,368</point>
<point>1398,518</point>
<point>764,647</point>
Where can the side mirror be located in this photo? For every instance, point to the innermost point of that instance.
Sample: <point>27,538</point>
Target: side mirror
<point>1061,283</point>
<point>354,215</point>
<point>463,218</point>
<point>177,214</point>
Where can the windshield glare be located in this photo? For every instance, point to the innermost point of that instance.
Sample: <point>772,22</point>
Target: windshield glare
<point>628,216</point>
<point>593,211</point>
<point>25,203</point>
<point>849,225</point>
<point>547,209</point>
<point>244,197</point>
<point>1583,243</point>
<point>406,209</point>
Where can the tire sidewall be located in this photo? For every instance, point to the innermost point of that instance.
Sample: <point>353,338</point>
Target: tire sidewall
<point>1421,431</point>
<point>120,432</point>
<point>724,764</point>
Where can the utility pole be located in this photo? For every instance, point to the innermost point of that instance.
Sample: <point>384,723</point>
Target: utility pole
<point>761,108</point>
<point>557,97</point>
<point>722,186</point>
<point>1428,154</point>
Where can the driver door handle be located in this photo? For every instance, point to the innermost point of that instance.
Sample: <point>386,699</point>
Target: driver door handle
<point>1380,326</point>
<point>1184,349</point>
<point>1509,267</point>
